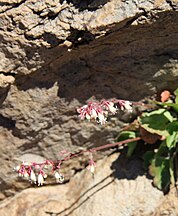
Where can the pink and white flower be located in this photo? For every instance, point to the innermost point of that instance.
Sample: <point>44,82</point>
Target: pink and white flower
<point>59,177</point>
<point>91,166</point>
<point>92,111</point>
<point>32,177</point>
<point>108,105</point>
<point>125,105</point>
<point>102,119</point>
<point>40,179</point>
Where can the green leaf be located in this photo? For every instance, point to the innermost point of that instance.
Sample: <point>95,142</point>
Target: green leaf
<point>172,139</point>
<point>176,94</point>
<point>128,135</point>
<point>162,150</point>
<point>148,157</point>
<point>160,170</point>
<point>171,169</point>
<point>131,148</point>
<point>173,105</point>
<point>156,121</point>
<point>173,126</point>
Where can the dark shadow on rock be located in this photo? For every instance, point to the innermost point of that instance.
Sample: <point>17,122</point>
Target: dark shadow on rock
<point>6,122</point>
<point>127,168</point>
<point>3,94</point>
<point>121,64</point>
<point>51,39</point>
<point>131,167</point>
<point>80,37</point>
<point>90,5</point>
<point>4,185</point>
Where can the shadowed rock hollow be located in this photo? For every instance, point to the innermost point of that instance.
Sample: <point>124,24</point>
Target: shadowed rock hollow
<point>55,55</point>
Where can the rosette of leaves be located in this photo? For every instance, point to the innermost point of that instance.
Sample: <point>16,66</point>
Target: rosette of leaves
<point>159,126</point>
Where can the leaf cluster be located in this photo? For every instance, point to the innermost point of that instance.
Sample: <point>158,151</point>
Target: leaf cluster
<point>159,127</point>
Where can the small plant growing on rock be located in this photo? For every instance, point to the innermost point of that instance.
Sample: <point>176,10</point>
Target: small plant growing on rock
<point>162,123</point>
<point>160,128</point>
<point>94,111</point>
<point>157,127</point>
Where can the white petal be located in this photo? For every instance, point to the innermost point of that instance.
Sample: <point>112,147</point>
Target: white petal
<point>40,180</point>
<point>102,119</point>
<point>33,176</point>
<point>94,114</point>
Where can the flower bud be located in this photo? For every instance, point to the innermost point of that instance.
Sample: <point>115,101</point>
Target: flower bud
<point>102,119</point>
<point>59,177</point>
<point>40,179</point>
<point>91,166</point>
<point>17,168</point>
<point>33,176</point>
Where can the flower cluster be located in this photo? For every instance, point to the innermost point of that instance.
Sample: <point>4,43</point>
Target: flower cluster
<point>93,111</point>
<point>125,105</point>
<point>35,172</point>
<point>99,110</point>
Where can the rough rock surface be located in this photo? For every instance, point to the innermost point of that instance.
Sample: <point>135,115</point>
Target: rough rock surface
<point>63,52</point>
<point>119,187</point>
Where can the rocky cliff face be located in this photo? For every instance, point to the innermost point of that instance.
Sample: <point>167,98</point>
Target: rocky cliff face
<point>56,54</point>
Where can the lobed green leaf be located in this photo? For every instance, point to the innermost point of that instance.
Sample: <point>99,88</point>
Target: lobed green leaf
<point>156,121</point>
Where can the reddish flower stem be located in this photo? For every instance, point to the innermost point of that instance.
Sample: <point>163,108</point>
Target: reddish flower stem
<point>101,147</point>
<point>72,155</point>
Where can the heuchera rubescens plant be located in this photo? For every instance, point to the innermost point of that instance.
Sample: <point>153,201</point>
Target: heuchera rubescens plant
<point>158,126</point>
<point>97,111</point>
